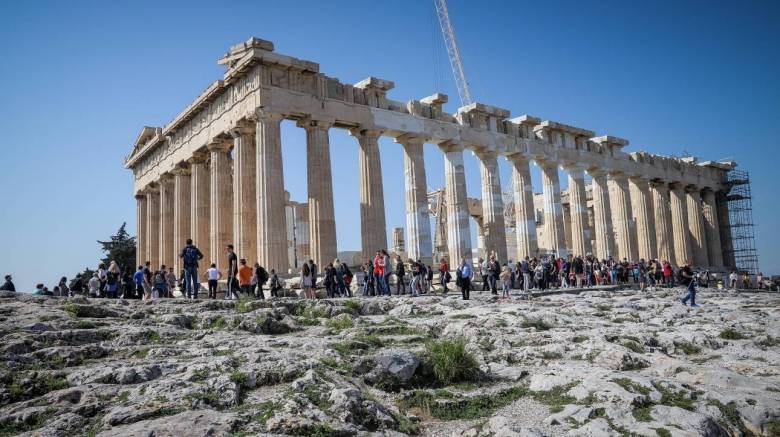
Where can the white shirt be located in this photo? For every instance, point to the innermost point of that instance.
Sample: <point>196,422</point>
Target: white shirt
<point>213,273</point>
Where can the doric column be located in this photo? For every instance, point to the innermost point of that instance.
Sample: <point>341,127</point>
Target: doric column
<point>271,218</point>
<point>642,206</point>
<point>244,196</point>
<point>578,206</point>
<point>200,211</point>
<point>696,227</point>
<point>221,211</point>
<point>553,212</point>
<point>153,226</point>
<point>166,220</point>
<point>682,245</point>
<point>322,222</point>
<point>418,225</point>
<point>602,216</point>
<point>727,246</point>
<point>181,213</point>
<point>712,228</point>
<point>525,220</point>
<point>373,230</point>
<point>663,221</point>
<point>140,225</point>
<point>458,233</point>
<point>492,206</point>
<point>621,217</point>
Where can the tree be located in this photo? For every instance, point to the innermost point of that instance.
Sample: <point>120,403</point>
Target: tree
<point>121,248</point>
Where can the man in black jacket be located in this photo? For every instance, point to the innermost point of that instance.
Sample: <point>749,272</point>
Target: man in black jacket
<point>191,255</point>
<point>8,285</point>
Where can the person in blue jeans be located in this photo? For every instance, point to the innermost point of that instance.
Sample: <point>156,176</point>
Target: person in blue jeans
<point>686,274</point>
<point>191,255</point>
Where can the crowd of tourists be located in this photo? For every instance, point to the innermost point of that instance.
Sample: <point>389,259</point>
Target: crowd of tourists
<point>380,274</point>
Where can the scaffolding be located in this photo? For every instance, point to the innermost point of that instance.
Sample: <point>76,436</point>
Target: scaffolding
<point>740,207</point>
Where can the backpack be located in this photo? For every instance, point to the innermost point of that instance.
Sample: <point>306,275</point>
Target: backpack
<point>190,255</point>
<point>263,276</point>
<point>111,278</point>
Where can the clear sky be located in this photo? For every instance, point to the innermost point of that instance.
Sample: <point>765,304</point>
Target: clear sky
<point>79,80</point>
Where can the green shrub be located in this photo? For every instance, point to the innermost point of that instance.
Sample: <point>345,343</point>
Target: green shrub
<point>241,379</point>
<point>465,408</point>
<point>84,324</point>
<point>633,346</point>
<point>353,305</point>
<point>152,336</point>
<point>551,355</point>
<point>450,361</point>
<point>340,323</point>
<point>731,334</point>
<point>245,304</point>
<point>580,338</point>
<point>462,316</point>
<point>539,324</point>
<point>688,348</point>
<point>218,323</point>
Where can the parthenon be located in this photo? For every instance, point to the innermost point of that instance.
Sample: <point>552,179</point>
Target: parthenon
<point>215,174</point>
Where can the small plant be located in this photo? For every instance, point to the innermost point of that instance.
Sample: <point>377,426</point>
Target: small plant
<point>604,307</point>
<point>538,324</point>
<point>462,316</point>
<point>687,348</point>
<point>244,304</point>
<point>467,408</point>
<point>731,334</point>
<point>631,386</point>
<point>340,323</point>
<point>633,346</point>
<point>769,341</point>
<point>451,362</point>
<point>141,352</point>
<point>84,324</point>
<point>241,379</point>
<point>580,338</point>
<point>551,355</point>
<point>152,336</point>
<point>218,323</point>
<point>353,305</point>
<point>124,396</point>
<point>501,323</point>
<point>200,375</point>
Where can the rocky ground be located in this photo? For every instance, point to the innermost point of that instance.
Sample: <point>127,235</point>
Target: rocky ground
<point>595,363</point>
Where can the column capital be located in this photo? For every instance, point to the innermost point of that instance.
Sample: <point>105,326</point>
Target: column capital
<point>198,157</point>
<point>140,195</point>
<point>638,178</point>
<point>518,157</point>
<point>411,139</point>
<point>451,146</point>
<point>262,114</point>
<point>676,185</point>
<point>692,188</point>
<point>310,123</point>
<point>219,144</point>
<point>484,154</point>
<point>152,188</point>
<point>546,163</point>
<point>362,133</point>
<point>241,129</point>
<point>166,178</point>
<point>575,167</point>
<point>181,170</point>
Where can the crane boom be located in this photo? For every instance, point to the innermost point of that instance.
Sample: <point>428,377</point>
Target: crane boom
<point>448,33</point>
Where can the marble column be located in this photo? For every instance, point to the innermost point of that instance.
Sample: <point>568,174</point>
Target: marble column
<point>727,246</point>
<point>711,228</point>
<point>418,224</point>
<point>244,194</point>
<point>200,211</point>
<point>181,214</point>
<point>153,226</point>
<point>553,212</point>
<point>682,245</point>
<point>602,216</point>
<point>271,217</point>
<point>696,227</point>
<point>492,206</point>
<point>221,195</point>
<point>373,229</point>
<point>458,231</point>
<point>578,206</point>
<point>525,220</point>
<point>322,222</point>
<point>642,206</point>
<point>663,221</point>
<point>166,220</point>
<point>140,223</point>
<point>622,218</point>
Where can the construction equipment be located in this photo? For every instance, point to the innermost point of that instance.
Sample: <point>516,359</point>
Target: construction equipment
<point>448,33</point>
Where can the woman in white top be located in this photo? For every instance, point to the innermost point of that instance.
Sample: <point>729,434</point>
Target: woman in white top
<point>213,275</point>
<point>306,282</point>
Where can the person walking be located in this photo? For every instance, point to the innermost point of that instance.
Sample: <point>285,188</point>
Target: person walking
<point>138,281</point>
<point>8,285</point>
<point>306,281</point>
<point>94,285</point>
<point>379,273</point>
<point>170,276</point>
<point>368,279</point>
<point>494,271</point>
<point>232,273</point>
<point>261,277</point>
<point>245,274</point>
<point>102,273</point>
<point>686,278</point>
<point>329,280</point>
<point>213,275</point>
<point>113,274</point>
<point>414,266</point>
<point>463,278</point>
<point>506,279</point>
<point>400,273</point>
<point>444,275</point>
<point>342,272</point>
<point>190,256</point>
<point>274,285</point>
<point>482,271</point>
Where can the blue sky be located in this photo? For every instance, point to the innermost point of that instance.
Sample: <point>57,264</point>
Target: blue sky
<point>80,79</point>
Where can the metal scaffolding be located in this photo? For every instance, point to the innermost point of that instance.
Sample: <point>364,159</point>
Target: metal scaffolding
<point>740,206</point>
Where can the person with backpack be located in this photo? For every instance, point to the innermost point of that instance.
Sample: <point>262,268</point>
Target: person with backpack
<point>113,275</point>
<point>347,277</point>
<point>160,283</point>
<point>261,276</point>
<point>274,285</point>
<point>170,276</point>
<point>686,278</point>
<point>400,273</point>
<point>340,271</point>
<point>190,256</point>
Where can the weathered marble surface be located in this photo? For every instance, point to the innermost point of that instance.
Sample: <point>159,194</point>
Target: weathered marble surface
<point>617,361</point>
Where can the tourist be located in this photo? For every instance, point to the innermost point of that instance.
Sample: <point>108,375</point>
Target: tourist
<point>213,275</point>
<point>667,273</point>
<point>113,275</point>
<point>245,274</point>
<point>62,287</point>
<point>414,284</point>
<point>162,292</point>
<point>343,277</point>
<point>232,272</point>
<point>94,285</point>
<point>687,279</point>
<point>379,273</point>
<point>39,289</point>
<point>148,282</point>
<point>306,281</point>
<point>274,285</point>
<point>102,276</point>
<point>429,279</point>
<point>76,285</point>
<point>494,272</point>
<point>329,280</point>
<point>190,256</point>
<point>8,285</point>
<point>463,278</point>
<point>400,273</point>
<point>261,277</point>
<point>760,280</point>
<point>160,284</point>
<point>525,270</point>
<point>482,270</point>
<point>170,276</point>
<point>444,275</point>
<point>733,280</point>
<point>640,273</point>
<point>388,270</point>
<point>368,278</point>
<point>506,279</point>
<point>138,279</point>
<point>745,280</point>
<point>314,272</point>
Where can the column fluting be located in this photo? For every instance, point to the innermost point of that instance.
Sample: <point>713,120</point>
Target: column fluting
<point>602,216</point>
<point>642,206</point>
<point>696,228</point>
<point>458,232</point>
<point>492,206</point>
<point>181,214</point>
<point>663,221</point>
<point>373,228</point>
<point>682,245</point>
<point>200,211</point>
<point>418,225</point>
<point>221,195</point>
<point>553,212</point>
<point>271,217</point>
<point>622,217</point>
<point>525,218</point>
<point>578,207</point>
<point>244,195</point>
<point>166,220</point>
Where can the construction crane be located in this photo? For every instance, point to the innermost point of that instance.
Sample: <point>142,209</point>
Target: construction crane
<point>448,33</point>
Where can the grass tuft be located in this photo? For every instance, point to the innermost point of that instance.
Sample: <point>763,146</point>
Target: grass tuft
<point>731,334</point>
<point>539,324</point>
<point>451,362</point>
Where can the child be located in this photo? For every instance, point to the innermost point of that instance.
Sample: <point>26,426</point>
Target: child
<point>506,279</point>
